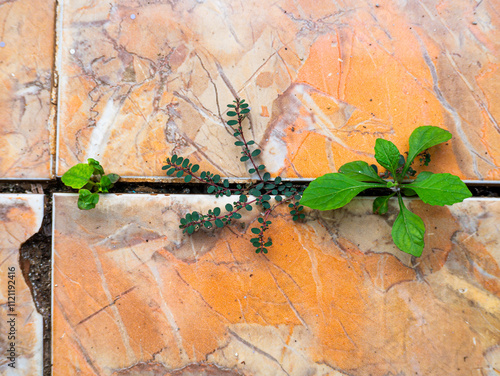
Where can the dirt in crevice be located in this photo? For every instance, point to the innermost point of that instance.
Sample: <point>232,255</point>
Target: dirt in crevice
<point>35,261</point>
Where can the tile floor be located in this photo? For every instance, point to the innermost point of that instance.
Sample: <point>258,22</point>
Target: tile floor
<point>133,296</point>
<point>21,340</point>
<point>26,72</point>
<point>136,81</point>
<point>131,82</point>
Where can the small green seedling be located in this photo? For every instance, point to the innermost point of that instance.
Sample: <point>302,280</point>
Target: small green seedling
<point>89,179</point>
<point>334,190</point>
<point>257,193</point>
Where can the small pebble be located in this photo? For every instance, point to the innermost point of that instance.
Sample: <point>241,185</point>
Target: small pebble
<point>474,23</point>
<point>2,44</point>
<point>132,16</point>
<point>72,51</point>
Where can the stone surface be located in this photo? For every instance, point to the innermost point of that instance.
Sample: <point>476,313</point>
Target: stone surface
<point>141,80</point>
<point>132,295</point>
<point>27,34</point>
<point>21,324</point>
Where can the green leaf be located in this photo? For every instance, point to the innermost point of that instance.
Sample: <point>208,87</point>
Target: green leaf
<point>266,176</point>
<point>236,215</point>
<point>185,163</point>
<point>255,230</point>
<point>360,171</point>
<point>332,191</point>
<point>387,154</point>
<point>231,113</point>
<point>211,189</point>
<point>187,178</point>
<point>78,175</point>
<point>229,207</point>
<point>422,176</point>
<point>256,152</point>
<point>423,138</point>
<point>113,177</point>
<point>408,231</point>
<point>190,229</point>
<point>244,158</point>
<point>98,170</point>
<point>86,199</point>
<point>217,211</point>
<point>243,198</point>
<point>261,167</point>
<point>179,173</point>
<point>440,189</point>
<point>409,192</point>
<point>381,204</point>
<point>219,223</point>
<point>195,168</point>
<point>245,111</point>
<point>207,224</point>
<point>248,207</point>
<point>105,184</point>
<point>232,122</point>
<point>254,192</point>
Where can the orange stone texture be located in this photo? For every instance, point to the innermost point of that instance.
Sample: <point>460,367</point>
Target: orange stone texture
<point>134,296</point>
<point>21,326</point>
<point>27,35</point>
<point>142,80</point>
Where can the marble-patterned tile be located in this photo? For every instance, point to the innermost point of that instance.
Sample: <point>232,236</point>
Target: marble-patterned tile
<point>27,34</point>
<point>21,337</point>
<point>141,80</point>
<point>132,295</point>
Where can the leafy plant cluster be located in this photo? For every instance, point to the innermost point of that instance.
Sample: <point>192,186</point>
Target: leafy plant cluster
<point>260,192</point>
<point>334,190</point>
<point>327,192</point>
<point>89,178</point>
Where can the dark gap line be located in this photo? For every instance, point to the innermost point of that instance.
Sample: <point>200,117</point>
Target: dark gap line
<point>56,186</point>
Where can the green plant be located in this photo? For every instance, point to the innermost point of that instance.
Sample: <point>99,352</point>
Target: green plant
<point>89,179</point>
<point>334,190</point>
<point>257,193</point>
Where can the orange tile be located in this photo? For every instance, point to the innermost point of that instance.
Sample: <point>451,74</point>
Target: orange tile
<point>341,75</point>
<point>22,326</point>
<point>332,296</point>
<point>26,117</point>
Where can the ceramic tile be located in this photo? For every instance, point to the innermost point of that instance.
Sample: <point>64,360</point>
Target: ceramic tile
<point>132,295</point>
<point>141,80</point>
<point>21,340</point>
<point>26,58</point>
